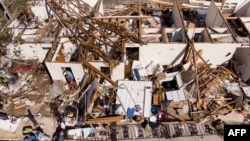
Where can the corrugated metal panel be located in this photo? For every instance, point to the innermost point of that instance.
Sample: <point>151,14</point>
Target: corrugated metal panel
<point>177,95</point>
<point>169,96</point>
<point>138,91</point>
<point>181,94</point>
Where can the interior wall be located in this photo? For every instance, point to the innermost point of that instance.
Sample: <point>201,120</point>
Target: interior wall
<point>56,72</point>
<point>151,30</point>
<point>192,31</point>
<point>214,18</point>
<point>40,11</point>
<point>117,72</point>
<point>218,53</point>
<point>164,54</point>
<point>178,36</point>
<point>91,3</point>
<point>243,9</point>
<point>28,51</point>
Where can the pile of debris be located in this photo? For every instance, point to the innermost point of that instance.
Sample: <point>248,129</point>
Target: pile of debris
<point>95,72</point>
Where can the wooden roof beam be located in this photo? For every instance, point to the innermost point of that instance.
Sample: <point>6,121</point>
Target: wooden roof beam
<point>88,65</point>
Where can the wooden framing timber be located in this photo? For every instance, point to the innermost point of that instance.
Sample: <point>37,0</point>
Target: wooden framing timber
<point>104,119</point>
<point>195,68</point>
<point>164,35</point>
<point>215,110</point>
<point>88,65</point>
<point>122,17</point>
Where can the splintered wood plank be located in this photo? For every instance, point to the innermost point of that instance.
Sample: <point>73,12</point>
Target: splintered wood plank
<point>103,120</point>
<point>18,106</point>
<point>164,35</point>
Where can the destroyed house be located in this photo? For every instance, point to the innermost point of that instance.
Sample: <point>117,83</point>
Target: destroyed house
<point>239,21</point>
<point>155,62</point>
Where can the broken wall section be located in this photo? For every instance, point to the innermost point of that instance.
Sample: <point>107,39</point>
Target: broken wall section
<point>214,17</point>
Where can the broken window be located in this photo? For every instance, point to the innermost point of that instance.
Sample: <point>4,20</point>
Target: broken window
<point>132,53</point>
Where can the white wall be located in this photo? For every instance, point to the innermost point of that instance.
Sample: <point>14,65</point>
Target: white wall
<point>29,51</point>
<point>213,18</point>
<point>118,71</point>
<point>56,72</point>
<point>160,53</point>
<point>216,53</point>
<point>101,10</point>
<point>91,3</point>
<point>192,31</point>
<point>39,10</point>
<point>151,30</point>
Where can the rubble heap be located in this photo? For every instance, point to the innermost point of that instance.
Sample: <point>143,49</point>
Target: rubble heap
<point>140,66</point>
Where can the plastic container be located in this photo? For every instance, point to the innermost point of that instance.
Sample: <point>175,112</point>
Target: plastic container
<point>130,112</point>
